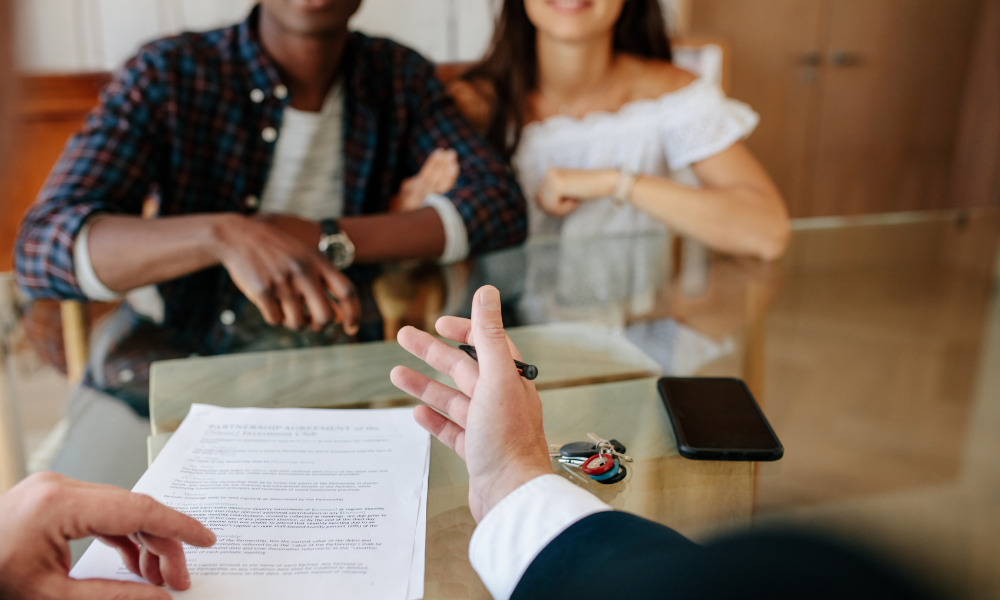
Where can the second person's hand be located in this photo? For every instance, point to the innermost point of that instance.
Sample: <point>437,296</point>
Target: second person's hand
<point>437,175</point>
<point>270,259</point>
<point>43,512</point>
<point>563,190</point>
<point>494,417</point>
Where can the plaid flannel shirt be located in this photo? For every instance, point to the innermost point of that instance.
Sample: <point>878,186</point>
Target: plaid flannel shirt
<point>191,121</point>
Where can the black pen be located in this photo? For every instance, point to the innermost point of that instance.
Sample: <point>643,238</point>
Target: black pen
<point>527,371</point>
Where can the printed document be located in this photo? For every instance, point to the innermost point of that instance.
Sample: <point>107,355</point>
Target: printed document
<point>305,503</point>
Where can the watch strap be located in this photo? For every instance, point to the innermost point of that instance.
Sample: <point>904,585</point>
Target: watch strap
<point>329,226</point>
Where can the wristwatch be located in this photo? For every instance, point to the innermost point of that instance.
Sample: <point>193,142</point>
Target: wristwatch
<point>335,245</point>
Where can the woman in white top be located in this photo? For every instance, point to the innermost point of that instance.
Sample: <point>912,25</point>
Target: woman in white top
<point>608,136</point>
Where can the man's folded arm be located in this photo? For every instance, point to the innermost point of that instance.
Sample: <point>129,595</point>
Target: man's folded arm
<point>486,196</point>
<point>108,167</point>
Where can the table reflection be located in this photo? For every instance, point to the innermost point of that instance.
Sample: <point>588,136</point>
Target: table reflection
<point>633,284</point>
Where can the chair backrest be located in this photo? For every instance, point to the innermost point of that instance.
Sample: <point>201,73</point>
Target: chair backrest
<point>12,463</point>
<point>49,109</point>
<point>704,56</point>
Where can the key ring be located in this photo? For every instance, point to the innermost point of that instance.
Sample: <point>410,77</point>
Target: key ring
<point>599,459</point>
<point>611,473</point>
<point>607,464</point>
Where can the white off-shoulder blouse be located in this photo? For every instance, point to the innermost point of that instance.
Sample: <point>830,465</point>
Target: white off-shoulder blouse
<point>662,136</point>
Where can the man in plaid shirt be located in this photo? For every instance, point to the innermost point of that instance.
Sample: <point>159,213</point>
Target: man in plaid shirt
<point>257,143</point>
<point>194,121</point>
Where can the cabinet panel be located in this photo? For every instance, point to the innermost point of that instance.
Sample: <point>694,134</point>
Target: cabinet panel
<point>976,173</point>
<point>772,42</point>
<point>889,113</point>
<point>871,125</point>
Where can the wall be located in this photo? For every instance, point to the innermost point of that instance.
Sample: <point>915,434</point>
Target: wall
<point>65,36</point>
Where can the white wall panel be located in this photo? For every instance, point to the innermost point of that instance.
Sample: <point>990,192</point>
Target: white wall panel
<point>127,24</point>
<point>420,24</point>
<point>201,15</point>
<point>475,27</point>
<point>84,35</point>
<point>51,36</point>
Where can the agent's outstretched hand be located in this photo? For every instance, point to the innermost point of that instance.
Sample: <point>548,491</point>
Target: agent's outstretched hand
<point>41,514</point>
<point>494,417</point>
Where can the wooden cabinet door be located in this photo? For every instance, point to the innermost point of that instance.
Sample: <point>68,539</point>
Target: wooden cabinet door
<point>859,99</point>
<point>890,103</point>
<point>775,48</point>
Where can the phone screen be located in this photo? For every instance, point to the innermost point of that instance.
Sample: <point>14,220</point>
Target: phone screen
<point>717,418</point>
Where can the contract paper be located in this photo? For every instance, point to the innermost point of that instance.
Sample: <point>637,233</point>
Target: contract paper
<point>305,503</point>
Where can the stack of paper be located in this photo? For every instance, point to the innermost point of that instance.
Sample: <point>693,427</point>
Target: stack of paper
<point>305,503</point>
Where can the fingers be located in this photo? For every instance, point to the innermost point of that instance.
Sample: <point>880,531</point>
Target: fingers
<point>448,432</point>
<point>259,292</point>
<point>108,511</point>
<point>167,560</point>
<point>440,356</point>
<point>440,171</point>
<point>127,549</point>
<point>556,205</point>
<point>437,175</point>
<point>149,563</point>
<point>455,328</point>
<point>291,306</point>
<point>321,308</point>
<point>453,403</point>
<point>447,172</point>
<point>101,589</point>
<point>495,359</point>
<point>460,330</point>
<point>287,279</point>
<point>347,304</point>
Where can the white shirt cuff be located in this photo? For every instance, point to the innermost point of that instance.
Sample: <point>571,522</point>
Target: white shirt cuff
<point>92,287</point>
<point>456,236</point>
<point>511,535</point>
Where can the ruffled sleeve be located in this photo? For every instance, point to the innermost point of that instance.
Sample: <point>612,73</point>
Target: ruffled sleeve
<point>700,121</point>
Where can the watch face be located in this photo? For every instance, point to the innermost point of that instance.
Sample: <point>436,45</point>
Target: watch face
<point>340,258</point>
<point>338,249</point>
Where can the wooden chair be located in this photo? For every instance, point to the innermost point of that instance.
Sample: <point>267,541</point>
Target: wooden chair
<point>12,461</point>
<point>49,110</point>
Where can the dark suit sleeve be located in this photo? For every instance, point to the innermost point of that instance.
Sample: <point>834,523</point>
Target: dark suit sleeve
<point>618,555</point>
<point>601,553</point>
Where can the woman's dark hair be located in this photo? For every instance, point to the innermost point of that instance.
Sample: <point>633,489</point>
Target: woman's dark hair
<point>510,68</point>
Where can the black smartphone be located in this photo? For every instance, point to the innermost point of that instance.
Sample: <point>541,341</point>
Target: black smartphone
<point>716,418</point>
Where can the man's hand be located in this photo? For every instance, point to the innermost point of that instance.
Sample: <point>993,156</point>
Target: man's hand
<point>42,513</point>
<point>494,417</point>
<point>562,190</point>
<point>437,175</point>
<point>274,261</point>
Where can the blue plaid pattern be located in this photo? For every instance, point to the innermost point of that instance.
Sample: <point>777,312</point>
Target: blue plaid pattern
<point>182,122</point>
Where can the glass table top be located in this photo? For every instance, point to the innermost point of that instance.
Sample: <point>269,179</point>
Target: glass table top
<point>873,347</point>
